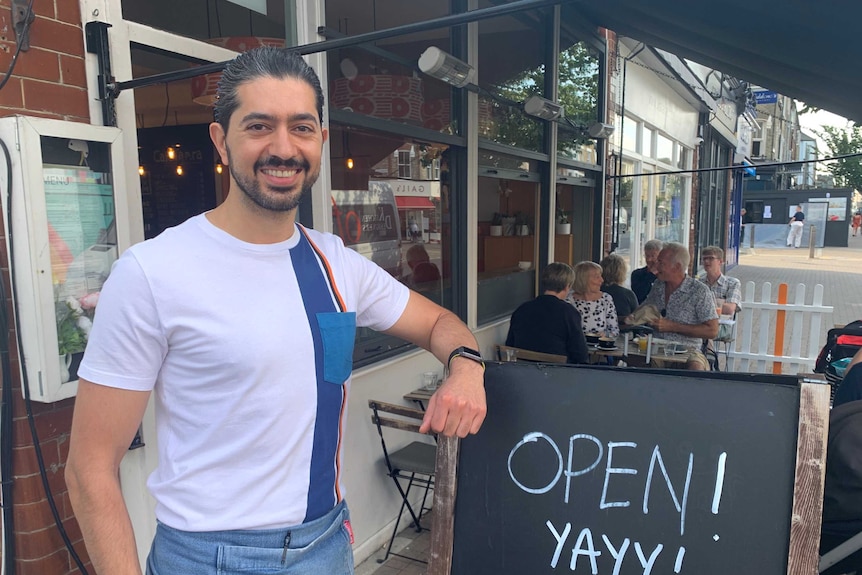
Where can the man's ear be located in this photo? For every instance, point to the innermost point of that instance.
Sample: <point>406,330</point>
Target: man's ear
<point>217,135</point>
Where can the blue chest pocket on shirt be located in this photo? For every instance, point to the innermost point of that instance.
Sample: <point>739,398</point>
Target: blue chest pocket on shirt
<point>338,332</point>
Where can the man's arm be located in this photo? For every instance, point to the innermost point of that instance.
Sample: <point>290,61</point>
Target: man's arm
<point>103,426</point>
<point>458,407</point>
<point>705,330</point>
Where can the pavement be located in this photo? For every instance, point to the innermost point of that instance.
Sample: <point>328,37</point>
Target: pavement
<point>839,270</point>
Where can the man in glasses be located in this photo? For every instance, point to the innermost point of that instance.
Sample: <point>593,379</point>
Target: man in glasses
<point>687,306</point>
<point>726,290</point>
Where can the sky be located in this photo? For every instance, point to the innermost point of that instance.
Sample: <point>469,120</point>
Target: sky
<point>814,122</point>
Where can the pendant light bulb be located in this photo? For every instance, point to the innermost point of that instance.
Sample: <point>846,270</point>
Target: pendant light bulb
<point>349,163</point>
<point>141,170</point>
<point>172,153</point>
<point>179,170</point>
<point>219,168</point>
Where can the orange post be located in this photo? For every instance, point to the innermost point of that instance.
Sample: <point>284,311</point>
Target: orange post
<point>779,328</point>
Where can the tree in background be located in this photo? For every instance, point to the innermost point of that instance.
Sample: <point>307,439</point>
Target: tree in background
<point>843,141</point>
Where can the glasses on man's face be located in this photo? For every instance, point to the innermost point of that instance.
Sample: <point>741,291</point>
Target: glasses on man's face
<point>707,259</point>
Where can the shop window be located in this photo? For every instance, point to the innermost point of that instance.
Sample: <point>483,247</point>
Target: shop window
<point>398,222</point>
<point>507,247</point>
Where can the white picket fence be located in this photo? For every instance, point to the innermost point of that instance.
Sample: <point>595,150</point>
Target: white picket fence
<point>757,331</point>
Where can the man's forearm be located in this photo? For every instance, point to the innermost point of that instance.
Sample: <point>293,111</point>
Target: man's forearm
<point>449,333</point>
<point>701,330</point>
<point>105,524</point>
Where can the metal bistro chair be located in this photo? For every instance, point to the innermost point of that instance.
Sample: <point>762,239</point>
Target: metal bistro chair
<point>408,466</point>
<point>529,355</point>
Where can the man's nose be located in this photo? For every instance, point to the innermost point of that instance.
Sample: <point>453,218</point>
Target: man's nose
<point>282,144</point>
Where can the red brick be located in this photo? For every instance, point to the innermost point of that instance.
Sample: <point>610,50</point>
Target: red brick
<point>56,563</point>
<point>38,544</point>
<point>35,63</point>
<point>30,517</point>
<point>58,99</point>
<point>29,489</point>
<point>73,71</point>
<point>57,36</point>
<point>24,460</point>
<point>12,96</point>
<point>69,12</point>
<point>46,9</point>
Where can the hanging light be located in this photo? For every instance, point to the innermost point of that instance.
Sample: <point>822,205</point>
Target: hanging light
<point>179,170</point>
<point>172,153</point>
<point>141,170</point>
<point>219,168</point>
<point>349,163</point>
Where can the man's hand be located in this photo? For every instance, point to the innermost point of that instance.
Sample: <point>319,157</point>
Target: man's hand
<point>458,407</point>
<point>663,324</point>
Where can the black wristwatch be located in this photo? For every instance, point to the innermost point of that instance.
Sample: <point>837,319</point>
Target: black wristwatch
<point>467,353</point>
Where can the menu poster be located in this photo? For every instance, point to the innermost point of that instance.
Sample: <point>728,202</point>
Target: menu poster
<point>837,209</point>
<point>83,245</point>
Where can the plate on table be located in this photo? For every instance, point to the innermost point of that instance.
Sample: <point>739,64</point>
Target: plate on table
<point>614,348</point>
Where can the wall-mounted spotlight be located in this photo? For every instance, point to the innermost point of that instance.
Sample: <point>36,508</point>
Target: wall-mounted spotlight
<point>600,131</point>
<point>443,66</point>
<point>542,108</point>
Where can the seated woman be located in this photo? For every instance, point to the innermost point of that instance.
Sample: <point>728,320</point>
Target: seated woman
<point>598,313</point>
<point>548,324</point>
<point>614,272</point>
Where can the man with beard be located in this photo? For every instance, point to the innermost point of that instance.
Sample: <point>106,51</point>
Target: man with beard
<point>241,323</point>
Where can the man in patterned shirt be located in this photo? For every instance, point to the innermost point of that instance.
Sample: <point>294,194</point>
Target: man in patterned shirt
<point>687,306</point>
<point>723,288</point>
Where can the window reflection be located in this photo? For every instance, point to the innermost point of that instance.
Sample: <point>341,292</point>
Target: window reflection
<point>392,207</point>
<point>578,89</point>
<point>511,60</point>
<point>507,249</point>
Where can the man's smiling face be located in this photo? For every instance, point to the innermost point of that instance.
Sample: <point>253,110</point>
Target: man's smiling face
<point>274,142</point>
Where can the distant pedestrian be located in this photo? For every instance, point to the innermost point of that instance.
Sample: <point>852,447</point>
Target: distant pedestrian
<point>742,221</point>
<point>857,222</point>
<point>797,221</point>
<point>414,230</point>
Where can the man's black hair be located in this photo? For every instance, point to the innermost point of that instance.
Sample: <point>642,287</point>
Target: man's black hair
<point>262,62</point>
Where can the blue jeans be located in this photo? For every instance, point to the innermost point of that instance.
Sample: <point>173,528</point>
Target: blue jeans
<point>319,547</point>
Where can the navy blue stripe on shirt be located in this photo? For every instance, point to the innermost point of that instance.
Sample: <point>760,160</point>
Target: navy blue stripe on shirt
<point>317,298</point>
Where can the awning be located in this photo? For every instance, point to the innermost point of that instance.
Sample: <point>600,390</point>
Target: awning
<point>413,203</point>
<point>807,50</point>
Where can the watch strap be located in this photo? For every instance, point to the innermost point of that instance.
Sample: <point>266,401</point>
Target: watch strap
<point>466,353</point>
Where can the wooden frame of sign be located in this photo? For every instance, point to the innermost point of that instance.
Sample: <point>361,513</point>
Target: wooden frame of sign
<point>807,491</point>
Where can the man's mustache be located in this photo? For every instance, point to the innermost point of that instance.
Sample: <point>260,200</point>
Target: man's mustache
<point>280,163</point>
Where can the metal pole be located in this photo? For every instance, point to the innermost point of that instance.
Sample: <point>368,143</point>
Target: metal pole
<point>812,232</point>
<point>751,235</point>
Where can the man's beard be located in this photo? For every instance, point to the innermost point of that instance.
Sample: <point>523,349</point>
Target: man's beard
<point>280,199</point>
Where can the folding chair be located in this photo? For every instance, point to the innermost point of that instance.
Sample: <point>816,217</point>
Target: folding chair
<point>410,465</point>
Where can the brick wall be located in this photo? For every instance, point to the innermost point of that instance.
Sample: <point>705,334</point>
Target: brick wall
<point>49,81</point>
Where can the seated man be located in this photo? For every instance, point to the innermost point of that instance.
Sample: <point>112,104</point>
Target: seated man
<point>422,271</point>
<point>723,288</point>
<point>687,306</point>
<point>549,324</point>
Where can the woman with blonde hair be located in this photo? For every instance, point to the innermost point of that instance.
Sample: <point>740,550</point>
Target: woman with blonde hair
<point>598,313</point>
<point>614,272</point>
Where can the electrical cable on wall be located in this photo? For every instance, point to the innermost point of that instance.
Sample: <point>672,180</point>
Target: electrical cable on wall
<point>4,337</point>
<point>19,44</point>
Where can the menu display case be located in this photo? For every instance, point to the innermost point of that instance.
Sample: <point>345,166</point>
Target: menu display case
<point>68,226</point>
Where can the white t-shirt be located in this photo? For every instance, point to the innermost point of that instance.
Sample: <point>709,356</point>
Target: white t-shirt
<point>248,428</point>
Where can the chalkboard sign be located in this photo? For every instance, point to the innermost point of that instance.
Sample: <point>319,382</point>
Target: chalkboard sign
<point>623,471</point>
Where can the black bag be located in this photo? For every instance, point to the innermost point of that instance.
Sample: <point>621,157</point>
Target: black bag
<point>841,342</point>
